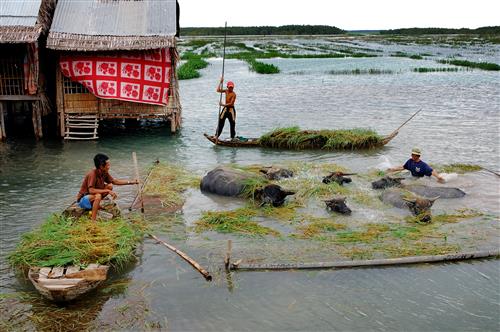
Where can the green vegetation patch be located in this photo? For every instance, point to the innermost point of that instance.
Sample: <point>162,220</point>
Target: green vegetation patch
<point>237,221</point>
<point>61,241</point>
<point>342,139</point>
<point>434,70</point>
<point>168,182</point>
<point>358,71</point>
<point>459,168</point>
<point>471,64</point>
<point>316,226</point>
<point>190,69</point>
<point>448,218</point>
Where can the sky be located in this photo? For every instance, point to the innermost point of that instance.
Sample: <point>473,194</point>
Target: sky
<point>344,14</point>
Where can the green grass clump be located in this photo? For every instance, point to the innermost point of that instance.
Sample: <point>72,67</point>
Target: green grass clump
<point>236,221</point>
<point>317,226</point>
<point>357,71</point>
<point>190,69</point>
<point>471,64</point>
<point>459,168</point>
<point>342,139</point>
<point>61,241</point>
<point>168,182</point>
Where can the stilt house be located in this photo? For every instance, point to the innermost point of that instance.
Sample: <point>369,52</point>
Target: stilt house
<point>23,28</point>
<point>117,60</point>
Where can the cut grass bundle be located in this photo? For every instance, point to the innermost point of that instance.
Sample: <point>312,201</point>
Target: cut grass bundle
<point>236,221</point>
<point>471,64</point>
<point>342,139</point>
<point>169,182</point>
<point>63,241</point>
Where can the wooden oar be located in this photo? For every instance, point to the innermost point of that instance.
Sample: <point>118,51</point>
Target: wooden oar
<point>411,117</point>
<point>223,62</point>
<point>184,256</point>
<point>134,157</point>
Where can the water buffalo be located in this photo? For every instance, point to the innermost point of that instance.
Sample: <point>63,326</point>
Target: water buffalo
<point>387,182</point>
<point>272,194</point>
<point>337,204</point>
<point>276,173</point>
<point>225,181</point>
<point>338,177</point>
<point>419,206</point>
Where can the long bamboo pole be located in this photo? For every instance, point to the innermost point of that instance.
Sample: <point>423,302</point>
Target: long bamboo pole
<point>134,157</point>
<point>184,256</point>
<point>142,186</point>
<point>223,63</point>
<point>411,117</point>
<point>369,263</point>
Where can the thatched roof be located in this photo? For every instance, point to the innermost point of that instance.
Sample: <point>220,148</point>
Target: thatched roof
<point>24,21</point>
<point>103,25</point>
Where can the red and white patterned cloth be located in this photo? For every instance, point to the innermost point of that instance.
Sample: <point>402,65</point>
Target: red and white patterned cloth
<point>142,77</point>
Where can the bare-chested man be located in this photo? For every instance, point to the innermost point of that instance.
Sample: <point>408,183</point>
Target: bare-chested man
<point>228,112</point>
<point>97,184</point>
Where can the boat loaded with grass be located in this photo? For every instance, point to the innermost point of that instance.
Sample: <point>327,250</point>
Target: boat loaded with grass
<point>67,257</point>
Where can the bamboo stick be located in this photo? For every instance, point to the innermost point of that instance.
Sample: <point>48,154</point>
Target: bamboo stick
<point>411,117</point>
<point>370,263</point>
<point>227,259</point>
<point>143,185</point>
<point>184,256</point>
<point>134,157</point>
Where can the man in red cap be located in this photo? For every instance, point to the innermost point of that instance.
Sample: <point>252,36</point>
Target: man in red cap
<point>228,112</point>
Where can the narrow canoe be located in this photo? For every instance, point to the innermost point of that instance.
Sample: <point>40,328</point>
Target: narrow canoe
<point>255,142</point>
<point>61,284</point>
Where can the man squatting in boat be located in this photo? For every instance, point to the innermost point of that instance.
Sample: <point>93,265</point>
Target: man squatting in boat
<point>228,112</point>
<point>417,167</point>
<point>97,184</point>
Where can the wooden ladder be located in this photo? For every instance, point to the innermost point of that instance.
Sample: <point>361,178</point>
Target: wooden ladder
<point>84,126</point>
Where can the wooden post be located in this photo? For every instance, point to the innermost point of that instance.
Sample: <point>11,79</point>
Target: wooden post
<point>227,260</point>
<point>3,133</point>
<point>60,102</point>
<point>36,117</point>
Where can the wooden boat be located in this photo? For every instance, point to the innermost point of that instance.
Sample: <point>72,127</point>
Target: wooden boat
<point>62,284</point>
<point>249,142</point>
<point>255,142</point>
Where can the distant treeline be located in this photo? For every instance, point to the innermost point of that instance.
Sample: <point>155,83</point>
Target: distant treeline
<point>493,30</point>
<point>265,30</point>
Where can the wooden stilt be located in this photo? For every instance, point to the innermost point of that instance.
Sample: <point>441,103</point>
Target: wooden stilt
<point>227,260</point>
<point>36,118</point>
<point>3,133</point>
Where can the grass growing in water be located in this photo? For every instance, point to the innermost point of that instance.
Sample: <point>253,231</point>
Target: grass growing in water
<point>357,71</point>
<point>190,69</point>
<point>460,168</point>
<point>342,139</point>
<point>433,70</point>
<point>63,241</point>
<point>471,64</point>
<point>236,221</point>
<point>168,182</point>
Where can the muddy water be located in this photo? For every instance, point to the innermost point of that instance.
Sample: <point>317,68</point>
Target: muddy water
<point>459,122</point>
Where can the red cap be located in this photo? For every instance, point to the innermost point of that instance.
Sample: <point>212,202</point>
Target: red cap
<point>230,84</point>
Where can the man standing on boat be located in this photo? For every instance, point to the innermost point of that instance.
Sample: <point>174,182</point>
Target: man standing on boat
<point>417,167</point>
<point>97,184</point>
<point>228,112</point>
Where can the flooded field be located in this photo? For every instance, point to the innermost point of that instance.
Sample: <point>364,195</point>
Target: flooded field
<point>459,123</point>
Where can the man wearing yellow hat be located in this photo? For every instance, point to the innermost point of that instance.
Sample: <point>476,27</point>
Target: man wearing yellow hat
<point>418,167</point>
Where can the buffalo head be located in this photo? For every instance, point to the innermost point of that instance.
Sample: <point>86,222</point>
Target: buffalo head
<point>276,173</point>
<point>421,207</point>
<point>387,182</point>
<point>272,194</point>
<point>338,177</point>
<point>337,204</point>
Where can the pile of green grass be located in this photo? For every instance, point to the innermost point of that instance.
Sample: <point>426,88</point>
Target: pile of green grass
<point>342,139</point>
<point>61,241</point>
<point>459,168</point>
<point>235,221</point>
<point>433,70</point>
<point>190,69</point>
<point>471,64</point>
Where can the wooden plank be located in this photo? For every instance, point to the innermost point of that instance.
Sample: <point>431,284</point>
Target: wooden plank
<point>81,138</point>
<point>79,133</point>
<point>58,287</point>
<point>60,101</point>
<point>56,272</point>
<point>44,272</point>
<point>92,266</point>
<point>72,269</point>
<point>3,133</point>
<point>91,274</point>
<point>60,282</point>
<point>19,98</point>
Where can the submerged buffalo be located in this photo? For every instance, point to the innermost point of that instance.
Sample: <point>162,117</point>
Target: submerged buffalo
<point>337,177</point>
<point>386,182</point>
<point>273,173</point>
<point>272,194</point>
<point>338,204</point>
<point>226,181</point>
<point>419,206</point>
